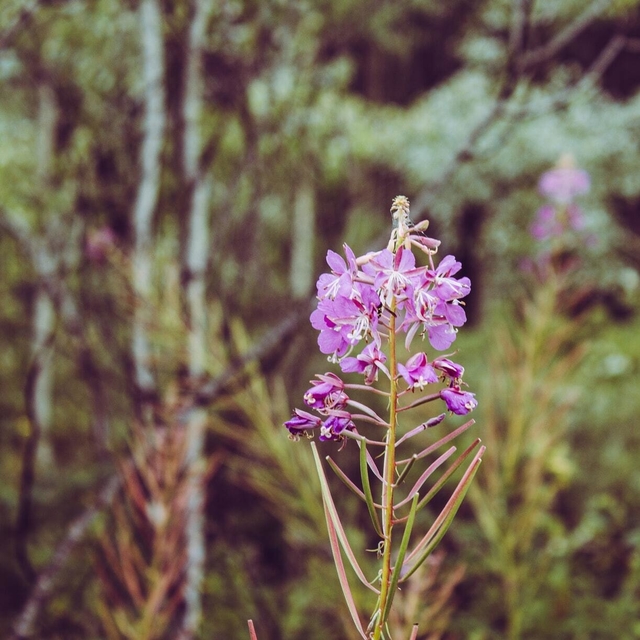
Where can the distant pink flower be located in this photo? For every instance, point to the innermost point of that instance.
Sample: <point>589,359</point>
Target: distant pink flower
<point>551,222</point>
<point>562,185</point>
<point>98,243</point>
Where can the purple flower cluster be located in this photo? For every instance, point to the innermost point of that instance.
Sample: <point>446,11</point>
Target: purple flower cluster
<point>328,398</point>
<point>356,301</point>
<point>353,301</point>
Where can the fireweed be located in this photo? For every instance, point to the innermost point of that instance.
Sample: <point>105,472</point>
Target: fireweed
<point>365,305</point>
<point>559,226</point>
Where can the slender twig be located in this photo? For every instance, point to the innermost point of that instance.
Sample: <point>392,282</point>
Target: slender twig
<point>19,22</point>
<point>425,475</point>
<point>420,401</point>
<point>565,36</point>
<point>436,445</point>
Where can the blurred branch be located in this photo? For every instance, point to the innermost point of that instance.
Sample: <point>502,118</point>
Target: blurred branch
<point>38,387</point>
<point>514,69</point>
<point>520,21</point>
<point>19,22</point>
<point>606,57</point>
<point>24,627</point>
<point>565,36</point>
<point>52,298</point>
<point>587,82</point>
<point>511,80</point>
<point>272,340</point>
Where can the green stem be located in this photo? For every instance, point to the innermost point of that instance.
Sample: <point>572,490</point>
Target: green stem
<point>389,477</point>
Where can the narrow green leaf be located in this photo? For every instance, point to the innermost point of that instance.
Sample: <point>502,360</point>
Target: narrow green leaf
<point>436,445</point>
<point>448,473</point>
<point>366,486</point>
<point>395,574</point>
<point>343,476</point>
<point>425,475</point>
<point>332,515</point>
<point>440,532</point>
<point>405,471</point>
<point>374,617</point>
<point>444,520</point>
<point>342,576</point>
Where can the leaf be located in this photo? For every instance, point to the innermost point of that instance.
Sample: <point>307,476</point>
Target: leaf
<point>425,475</point>
<point>342,576</point>
<point>436,445</point>
<point>366,486</point>
<point>448,473</point>
<point>343,476</point>
<point>444,520</point>
<point>333,520</point>
<point>395,575</point>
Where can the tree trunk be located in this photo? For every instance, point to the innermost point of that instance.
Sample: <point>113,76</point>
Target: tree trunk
<point>195,257</point>
<point>147,197</point>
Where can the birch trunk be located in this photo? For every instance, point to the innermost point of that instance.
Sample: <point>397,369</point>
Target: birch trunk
<point>195,257</point>
<point>150,21</point>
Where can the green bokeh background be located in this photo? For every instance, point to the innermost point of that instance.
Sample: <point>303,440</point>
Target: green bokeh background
<point>346,104</point>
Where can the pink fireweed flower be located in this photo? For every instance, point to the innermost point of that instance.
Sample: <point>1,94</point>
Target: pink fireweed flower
<point>441,335</point>
<point>546,224</point>
<point>393,274</point>
<point>437,303</point>
<point>449,369</point>
<point>418,372</point>
<point>563,184</point>
<point>446,287</point>
<point>343,274</point>
<point>458,401</point>
<point>301,423</point>
<point>326,393</point>
<point>374,298</point>
<point>335,424</point>
<point>343,322</point>
<point>551,222</point>
<point>439,330</point>
<point>369,362</point>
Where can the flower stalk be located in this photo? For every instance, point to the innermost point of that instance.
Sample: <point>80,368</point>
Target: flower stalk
<point>373,299</point>
<point>389,475</point>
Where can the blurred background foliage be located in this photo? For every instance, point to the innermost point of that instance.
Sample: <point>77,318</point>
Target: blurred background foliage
<point>316,114</point>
